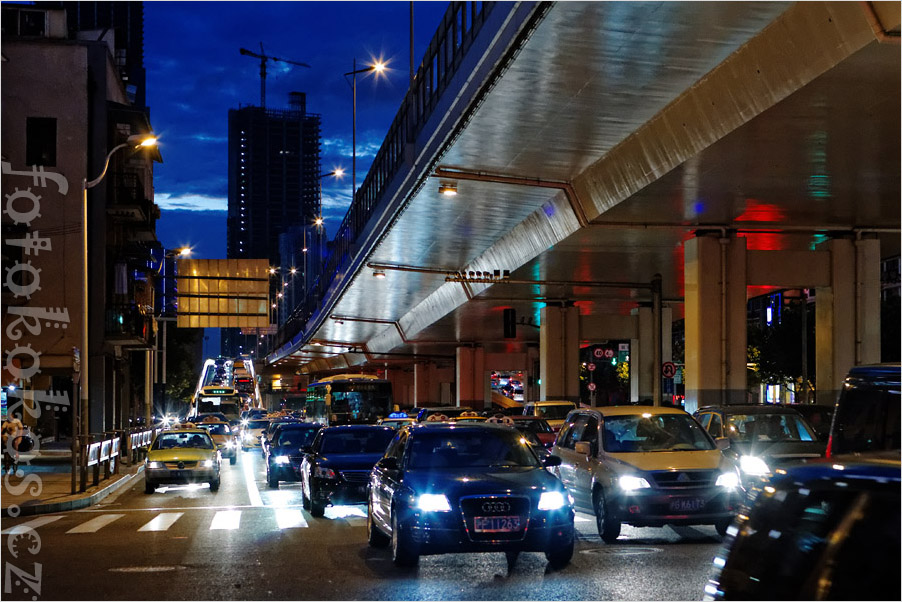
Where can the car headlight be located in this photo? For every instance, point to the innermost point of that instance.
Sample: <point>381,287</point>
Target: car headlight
<point>324,473</point>
<point>155,465</point>
<point>230,443</point>
<point>551,500</point>
<point>206,463</point>
<point>281,459</point>
<point>244,422</point>
<point>433,502</point>
<point>729,480</point>
<point>753,466</point>
<point>631,483</point>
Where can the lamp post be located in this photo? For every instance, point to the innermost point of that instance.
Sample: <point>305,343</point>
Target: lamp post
<point>162,320</point>
<point>136,141</point>
<point>378,67</point>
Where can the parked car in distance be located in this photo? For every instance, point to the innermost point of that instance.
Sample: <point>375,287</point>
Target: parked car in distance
<point>449,411</point>
<point>866,418</point>
<point>337,468</point>
<point>182,456</point>
<point>536,425</point>
<point>762,438</point>
<point>285,449</point>
<point>555,412</point>
<point>645,466</point>
<point>445,487</point>
<point>823,530</point>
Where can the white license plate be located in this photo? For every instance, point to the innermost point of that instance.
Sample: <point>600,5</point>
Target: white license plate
<point>496,524</point>
<point>687,505</point>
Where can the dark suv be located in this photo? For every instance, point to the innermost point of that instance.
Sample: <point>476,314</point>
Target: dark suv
<point>285,451</point>
<point>866,418</point>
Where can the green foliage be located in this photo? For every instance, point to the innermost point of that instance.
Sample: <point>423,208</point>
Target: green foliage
<point>776,350</point>
<point>184,347</point>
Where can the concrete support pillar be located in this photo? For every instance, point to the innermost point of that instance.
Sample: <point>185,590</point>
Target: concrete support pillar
<point>716,330</point>
<point>421,395</point>
<point>847,314</point>
<point>471,377</point>
<point>642,368</point>
<point>559,353</point>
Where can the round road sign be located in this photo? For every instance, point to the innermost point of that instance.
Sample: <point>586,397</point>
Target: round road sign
<point>591,386</point>
<point>599,352</point>
<point>668,369</point>
<point>591,367</point>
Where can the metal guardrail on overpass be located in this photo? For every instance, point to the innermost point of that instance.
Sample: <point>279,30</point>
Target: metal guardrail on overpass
<point>460,27</point>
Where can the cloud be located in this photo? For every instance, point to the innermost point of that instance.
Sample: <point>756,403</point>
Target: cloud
<point>191,202</point>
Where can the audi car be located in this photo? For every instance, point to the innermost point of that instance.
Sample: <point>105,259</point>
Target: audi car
<point>336,469</point>
<point>448,487</point>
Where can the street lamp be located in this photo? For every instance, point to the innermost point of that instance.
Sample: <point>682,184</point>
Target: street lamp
<point>162,320</point>
<point>137,141</point>
<point>378,67</point>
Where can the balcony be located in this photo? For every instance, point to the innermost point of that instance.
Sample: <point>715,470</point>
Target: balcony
<point>127,203</point>
<point>126,326</point>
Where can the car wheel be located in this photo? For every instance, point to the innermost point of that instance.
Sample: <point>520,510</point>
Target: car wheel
<point>305,497</point>
<point>402,552</point>
<point>375,537</point>
<point>149,487</point>
<point>511,556</point>
<point>560,556</point>
<point>271,480</point>
<point>608,527</point>
<point>722,526</point>
<point>214,485</point>
<point>233,459</point>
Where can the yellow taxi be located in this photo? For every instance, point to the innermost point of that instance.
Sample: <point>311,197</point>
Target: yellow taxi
<point>226,442</point>
<point>184,455</point>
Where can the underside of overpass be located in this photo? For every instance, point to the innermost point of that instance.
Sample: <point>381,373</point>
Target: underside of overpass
<point>589,142</point>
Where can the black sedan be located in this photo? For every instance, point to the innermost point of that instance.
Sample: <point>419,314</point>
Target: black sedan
<point>475,487</point>
<point>285,450</point>
<point>337,468</point>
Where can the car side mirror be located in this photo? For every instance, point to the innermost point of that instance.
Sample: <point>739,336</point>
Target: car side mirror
<point>583,448</point>
<point>722,443</point>
<point>552,460</point>
<point>388,463</point>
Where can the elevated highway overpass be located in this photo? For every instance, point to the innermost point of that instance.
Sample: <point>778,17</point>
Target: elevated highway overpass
<point>729,147</point>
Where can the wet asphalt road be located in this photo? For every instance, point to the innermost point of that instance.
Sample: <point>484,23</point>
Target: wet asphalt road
<point>248,542</point>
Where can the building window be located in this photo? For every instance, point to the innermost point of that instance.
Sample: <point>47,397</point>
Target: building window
<point>40,141</point>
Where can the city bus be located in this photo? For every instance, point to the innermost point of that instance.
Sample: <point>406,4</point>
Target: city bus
<point>214,398</point>
<point>348,399</point>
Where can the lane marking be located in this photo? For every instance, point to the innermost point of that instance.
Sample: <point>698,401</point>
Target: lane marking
<point>249,477</point>
<point>32,524</point>
<point>162,522</point>
<point>226,519</point>
<point>334,512</point>
<point>95,524</point>
<point>290,519</point>
<point>164,508</point>
<point>146,569</point>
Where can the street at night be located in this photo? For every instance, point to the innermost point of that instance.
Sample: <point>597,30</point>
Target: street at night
<point>248,542</point>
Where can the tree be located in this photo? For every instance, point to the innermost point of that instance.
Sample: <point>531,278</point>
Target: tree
<point>776,349</point>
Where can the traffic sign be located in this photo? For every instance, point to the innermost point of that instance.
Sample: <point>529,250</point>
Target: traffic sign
<point>668,369</point>
<point>599,352</point>
<point>591,386</point>
<point>609,353</point>
<point>591,367</point>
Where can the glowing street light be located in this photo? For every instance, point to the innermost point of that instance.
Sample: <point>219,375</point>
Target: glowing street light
<point>378,68</point>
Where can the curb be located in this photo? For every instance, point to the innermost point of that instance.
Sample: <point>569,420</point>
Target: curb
<point>75,504</point>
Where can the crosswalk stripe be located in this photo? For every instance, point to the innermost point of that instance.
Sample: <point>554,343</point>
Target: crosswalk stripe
<point>95,524</point>
<point>226,519</point>
<point>290,518</point>
<point>32,524</point>
<point>162,521</point>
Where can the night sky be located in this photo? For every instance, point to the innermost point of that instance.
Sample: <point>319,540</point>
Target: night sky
<point>195,74</point>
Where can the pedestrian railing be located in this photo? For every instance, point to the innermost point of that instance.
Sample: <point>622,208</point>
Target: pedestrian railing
<point>101,454</point>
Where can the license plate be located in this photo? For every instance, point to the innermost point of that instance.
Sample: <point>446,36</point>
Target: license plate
<point>178,474</point>
<point>496,524</point>
<point>687,505</point>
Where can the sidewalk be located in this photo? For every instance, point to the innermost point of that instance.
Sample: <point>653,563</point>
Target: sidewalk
<point>46,484</point>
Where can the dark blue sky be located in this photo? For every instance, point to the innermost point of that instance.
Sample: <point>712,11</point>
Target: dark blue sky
<point>195,74</point>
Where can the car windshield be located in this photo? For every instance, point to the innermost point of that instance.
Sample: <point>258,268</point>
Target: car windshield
<point>555,412</point>
<point>357,441</point>
<point>533,426</point>
<point>296,437</point>
<point>470,449</point>
<point>768,427</point>
<point>257,424</point>
<point>172,440</point>
<point>217,428</point>
<point>649,432</point>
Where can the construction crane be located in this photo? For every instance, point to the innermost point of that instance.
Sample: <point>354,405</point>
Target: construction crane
<point>263,58</point>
